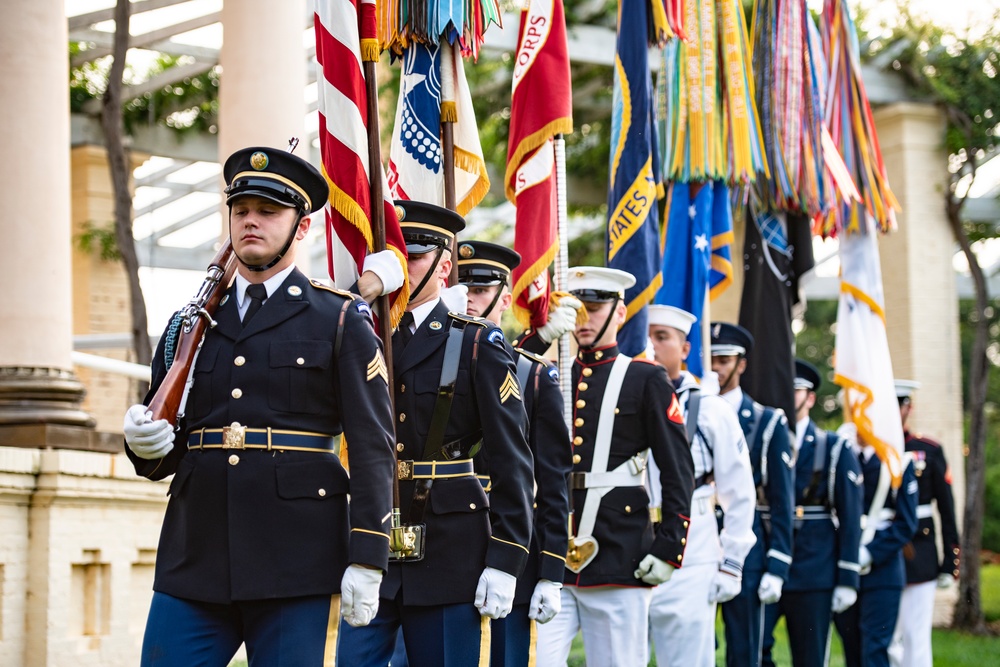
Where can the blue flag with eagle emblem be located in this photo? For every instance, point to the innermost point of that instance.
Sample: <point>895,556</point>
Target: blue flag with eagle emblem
<point>633,233</point>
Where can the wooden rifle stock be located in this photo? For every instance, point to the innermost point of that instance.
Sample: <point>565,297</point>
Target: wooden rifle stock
<point>196,318</point>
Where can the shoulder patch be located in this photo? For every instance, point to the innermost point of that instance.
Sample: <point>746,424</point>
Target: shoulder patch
<point>470,319</point>
<point>674,411</point>
<point>553,372</point>
<point>342,292</point>
<point>363,307</point>
<point>496,337</point>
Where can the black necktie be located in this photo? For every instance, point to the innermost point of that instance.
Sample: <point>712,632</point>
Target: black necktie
<point>404,329</point>
<point>257,294</point>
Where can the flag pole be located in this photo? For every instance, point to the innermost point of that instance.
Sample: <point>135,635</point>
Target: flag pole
<point>449,116</point>
<point>561,270</point>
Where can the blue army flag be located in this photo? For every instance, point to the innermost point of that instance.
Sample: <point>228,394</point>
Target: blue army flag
<point>696,254</point>
<point>633,217</point>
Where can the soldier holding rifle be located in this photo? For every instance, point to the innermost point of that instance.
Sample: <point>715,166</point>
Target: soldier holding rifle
<point>259,544</point>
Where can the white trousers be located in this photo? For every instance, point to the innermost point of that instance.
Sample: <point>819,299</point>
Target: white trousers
<point>911,641</point>
<point>682,620</point>
<point>614,622</point>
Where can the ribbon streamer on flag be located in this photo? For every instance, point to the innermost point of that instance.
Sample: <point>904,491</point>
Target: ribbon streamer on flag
<point>633,219</point>
<point>862,364</point>
<point>541,107</point>
<point>416,167</point>
<point>402,23</point>
<point>344,30</point>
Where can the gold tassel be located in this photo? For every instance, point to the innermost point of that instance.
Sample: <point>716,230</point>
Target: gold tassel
<point>449,112</point>
<point>369,50</point>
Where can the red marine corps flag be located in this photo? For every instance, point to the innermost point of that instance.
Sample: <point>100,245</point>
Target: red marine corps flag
<point>541,107</point>
<point>345,29</point>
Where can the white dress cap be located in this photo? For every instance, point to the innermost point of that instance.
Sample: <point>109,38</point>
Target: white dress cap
<point>671,316</point>
<point>599,279</point>
<point>904,388</point>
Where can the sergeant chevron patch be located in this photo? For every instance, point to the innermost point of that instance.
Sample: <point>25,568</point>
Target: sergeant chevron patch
<point>509,388</point>
<point>376,368</point>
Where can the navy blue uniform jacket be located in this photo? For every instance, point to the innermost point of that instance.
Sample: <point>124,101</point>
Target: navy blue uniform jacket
<point>253,524</point>
<point>465,531</point>
<point>887,545</point>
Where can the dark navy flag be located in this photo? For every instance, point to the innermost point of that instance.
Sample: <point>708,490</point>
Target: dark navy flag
<point>633,216</point>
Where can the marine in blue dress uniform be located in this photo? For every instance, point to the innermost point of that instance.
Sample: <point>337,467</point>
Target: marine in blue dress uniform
<point>866,628</point>
<point>259,539</point>
<point>766,429</point>
<point>824,575</point>
<point>456,393</point>
<point>622,408</point>
<point>925,570</point>
<point>485,269</point>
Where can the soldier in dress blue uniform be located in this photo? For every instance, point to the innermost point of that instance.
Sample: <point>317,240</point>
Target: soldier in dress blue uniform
<point>456,393</point>
<point>866,628</point>
<point>924,570</point>
<point>259,543</point>
<point>766,431</point>
<point>622,408</point>
<point>824,575</point>
<point>682,614</point>
<point>485,269</point>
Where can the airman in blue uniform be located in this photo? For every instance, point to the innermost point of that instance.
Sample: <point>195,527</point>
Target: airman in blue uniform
<point>485,269</point>
<point>824,576</point>
<point>925,571</point>
<point>866,627</point>
<point>456,393</point>
<point>259,544</point>
<point>766,567</point>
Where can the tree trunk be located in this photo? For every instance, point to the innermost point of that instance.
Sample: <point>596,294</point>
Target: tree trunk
<point>969,609</point>
<point>118,161</point>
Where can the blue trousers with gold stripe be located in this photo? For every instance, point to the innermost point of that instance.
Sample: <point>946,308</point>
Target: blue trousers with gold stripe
<point>291,632</point>
<point>513,642</point>
<point>437,636</point>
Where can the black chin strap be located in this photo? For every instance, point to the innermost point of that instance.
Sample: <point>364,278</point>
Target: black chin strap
<point>726,383</point>
<point>430,272</point>
<point>496,298</point>
<point>277,258</point>
<point>614,304</point>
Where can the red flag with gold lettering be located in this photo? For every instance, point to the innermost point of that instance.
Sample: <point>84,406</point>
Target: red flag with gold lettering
<point>541,107</point>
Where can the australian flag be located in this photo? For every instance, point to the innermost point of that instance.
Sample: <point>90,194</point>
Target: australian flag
<point>633,216</point>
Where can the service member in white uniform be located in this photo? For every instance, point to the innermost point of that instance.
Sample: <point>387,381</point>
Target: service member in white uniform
<point>683,610</point>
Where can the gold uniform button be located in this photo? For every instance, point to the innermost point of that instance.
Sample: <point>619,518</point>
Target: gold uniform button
<point>598,355</point>
<point>300,361</point>
<point>587,372</point>
<point>679,557</point>
<point>322,493</point>
<point>402,416</point>
<point>628,509</point>
<point>577,458</point>
<point>402,388</point>
<point>399,446</point>
<point>237,392</point>
<point>684,540</point>
<point>578,440</point>
<point>472,506</point>
<point>578,421</point>
<point>582,386</point>
<point>927,531</point>
<point>240,360</point>
<point>685,524</point>
<point>581,403</point>
<point>233,459</point>
<point>617,410</point>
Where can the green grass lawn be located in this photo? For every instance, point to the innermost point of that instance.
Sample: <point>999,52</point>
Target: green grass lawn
<point>951,649</point>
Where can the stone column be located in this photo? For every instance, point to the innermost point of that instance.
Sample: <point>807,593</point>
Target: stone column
<point>920,293</point>
<point>37,384</point>
<point>261,95</point>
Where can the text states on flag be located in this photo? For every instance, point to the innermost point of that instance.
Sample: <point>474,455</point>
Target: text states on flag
<point>631,210</point>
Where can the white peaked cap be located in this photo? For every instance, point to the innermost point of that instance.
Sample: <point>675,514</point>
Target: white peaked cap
<point>905,388</point>
<point>671,316</point>
<point>598,278</point>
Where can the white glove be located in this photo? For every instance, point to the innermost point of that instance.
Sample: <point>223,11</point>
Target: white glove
<point>725,587</point>
<point>385,264</point>
<point>147,439</point>
<point>654,571</point>
<point>495,593</point>
<point>769,590</point>
<point>865,560</point>
<point>562,319</point>
<point>945,580</point>
<point>456,298</point>
<point>546,601</point>
<point>359,595</point>
<point>844,598</point>
<point>849,432</point>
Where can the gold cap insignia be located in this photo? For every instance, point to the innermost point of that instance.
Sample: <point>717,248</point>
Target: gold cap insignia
<point>581,274</point>
<point>376,368</point>
<point>400,212</point>
<point>294,290</point>
<point>510,388</point>
<point>259,160</point>
<point>466,251</point>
